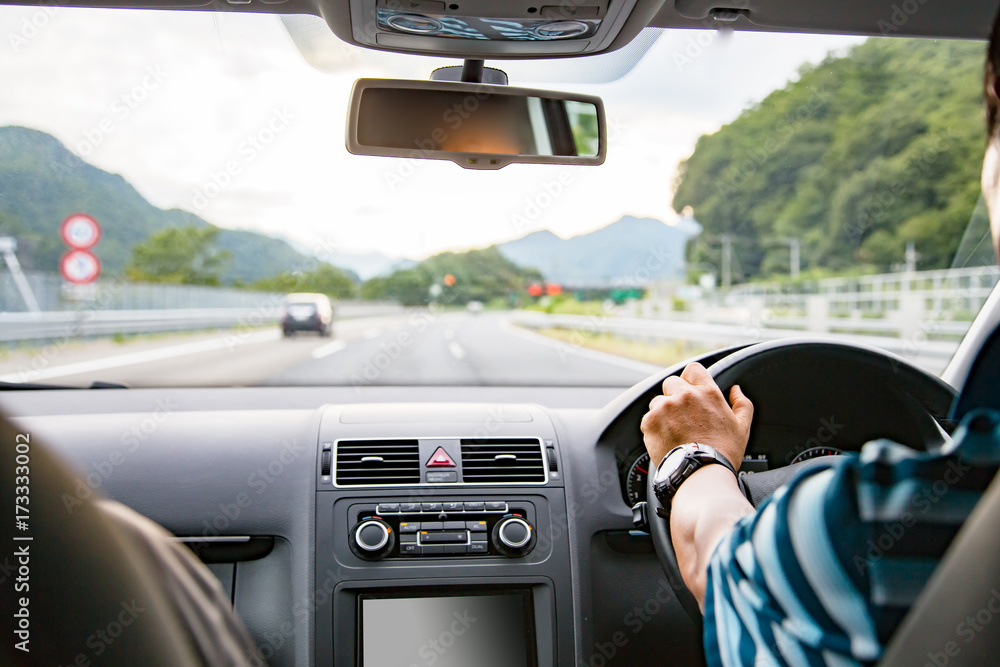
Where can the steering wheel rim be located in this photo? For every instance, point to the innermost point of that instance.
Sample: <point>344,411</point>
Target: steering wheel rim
<point>930,393</point>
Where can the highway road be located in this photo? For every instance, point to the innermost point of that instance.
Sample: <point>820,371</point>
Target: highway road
<point>410,349</point>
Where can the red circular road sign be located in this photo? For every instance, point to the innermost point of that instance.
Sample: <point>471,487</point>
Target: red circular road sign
<point>80,231</point>
<point>80,267</point>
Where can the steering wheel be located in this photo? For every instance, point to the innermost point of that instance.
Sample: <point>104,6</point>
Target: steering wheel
<point>871,393</point>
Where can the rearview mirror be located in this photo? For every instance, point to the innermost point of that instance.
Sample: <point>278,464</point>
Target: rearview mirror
<point>475,125</point>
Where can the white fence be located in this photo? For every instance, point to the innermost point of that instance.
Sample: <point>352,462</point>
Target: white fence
<point>960,292</point>
<point>933,304</point>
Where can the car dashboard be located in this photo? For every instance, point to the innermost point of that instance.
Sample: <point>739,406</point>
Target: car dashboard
<point>330,515</point>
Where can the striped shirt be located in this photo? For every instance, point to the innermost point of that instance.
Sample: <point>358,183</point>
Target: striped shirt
<point>825,570</point>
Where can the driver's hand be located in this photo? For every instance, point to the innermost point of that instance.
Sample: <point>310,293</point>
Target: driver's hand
<point>693,409</point>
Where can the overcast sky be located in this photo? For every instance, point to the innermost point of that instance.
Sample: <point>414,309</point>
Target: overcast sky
<point>169,99</point>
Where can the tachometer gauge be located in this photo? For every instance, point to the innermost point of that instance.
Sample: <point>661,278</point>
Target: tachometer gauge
<point>635,482</point>
<point>815,452</point>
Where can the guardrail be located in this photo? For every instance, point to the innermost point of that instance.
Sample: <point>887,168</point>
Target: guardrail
<point>56,325</point>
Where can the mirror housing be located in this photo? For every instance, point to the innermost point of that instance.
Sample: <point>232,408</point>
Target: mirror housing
<point>475,125</point>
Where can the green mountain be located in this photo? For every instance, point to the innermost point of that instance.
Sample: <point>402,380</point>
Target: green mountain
<point>859,156</point>
<point>481,275</point>
<point>41,183</point>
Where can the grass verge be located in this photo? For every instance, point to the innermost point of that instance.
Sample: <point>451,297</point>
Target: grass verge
<point>659,353</point>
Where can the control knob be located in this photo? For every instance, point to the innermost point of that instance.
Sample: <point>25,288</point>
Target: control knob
<point>513,536</point>
<point>372,538</point>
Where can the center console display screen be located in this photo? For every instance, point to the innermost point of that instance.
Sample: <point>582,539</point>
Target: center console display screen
<point>428,629</point>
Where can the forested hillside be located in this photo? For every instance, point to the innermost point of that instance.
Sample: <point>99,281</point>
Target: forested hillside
<point>41,182</point>
<point>859,156</point>
<point>477,274</point>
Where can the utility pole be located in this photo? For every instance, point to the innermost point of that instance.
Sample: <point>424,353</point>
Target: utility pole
<point>911,257</point>
<point>8,246</point>
<point>727,260</point>
<point>795,264</point>
<point>796,261</point>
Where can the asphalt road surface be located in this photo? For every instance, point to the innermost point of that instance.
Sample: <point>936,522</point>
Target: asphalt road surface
<point>411,349</point>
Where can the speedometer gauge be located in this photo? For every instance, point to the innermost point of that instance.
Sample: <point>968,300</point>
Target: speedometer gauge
<point>635,482</point>
<point>815,452</point>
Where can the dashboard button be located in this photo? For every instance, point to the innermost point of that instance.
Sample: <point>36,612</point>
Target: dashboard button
<point>496,507</point>
<point>478,548</point>
<point>431,525</point>
<point>454,549</point>
<point>409,538</point>
<point>408,549</point>
<point>409,507</point>
<point>442,537</point>
<point>387,508</point>
<point>430,507</point>
<point>440,477</point>
<point>453,525</point>
<point>452,507</point>
<point>408,527</point>
<point>474,507</point>
<point>432,551</point>
<point>476,525</point>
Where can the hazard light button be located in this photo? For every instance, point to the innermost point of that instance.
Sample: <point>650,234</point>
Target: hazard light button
<point>440,459</point>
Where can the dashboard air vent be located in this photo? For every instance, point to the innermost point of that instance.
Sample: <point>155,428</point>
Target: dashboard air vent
<point>364,462</point>
<point>492,461</point>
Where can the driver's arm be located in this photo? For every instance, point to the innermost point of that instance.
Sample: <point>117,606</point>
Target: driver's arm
<point>709,503</point>
<point>705,509</point>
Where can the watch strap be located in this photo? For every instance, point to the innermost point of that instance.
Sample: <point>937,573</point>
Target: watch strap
<point>700,456</point>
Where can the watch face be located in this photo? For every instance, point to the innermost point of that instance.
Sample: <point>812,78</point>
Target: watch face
<point>673,461</point>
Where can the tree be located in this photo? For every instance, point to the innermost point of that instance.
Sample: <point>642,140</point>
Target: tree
<point>324,279</point>
<point>180,255</point>
<point>859,156</point>
<point>479,275</point>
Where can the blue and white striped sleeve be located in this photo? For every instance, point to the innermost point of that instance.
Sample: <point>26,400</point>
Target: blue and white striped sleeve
<point>778,592</point>
<point>829,565</point>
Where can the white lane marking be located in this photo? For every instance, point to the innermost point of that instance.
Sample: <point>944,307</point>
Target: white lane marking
<point>456,350</point>
<point>328,349</point>
<point>449,334</point>
<point>374,332</point>
<point>229,341</point>
<point>565,349</point>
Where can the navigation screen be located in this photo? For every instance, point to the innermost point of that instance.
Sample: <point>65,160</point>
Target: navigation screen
<point>459,631</point>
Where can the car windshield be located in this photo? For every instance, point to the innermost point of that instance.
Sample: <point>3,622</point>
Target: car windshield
<point>172,183</point>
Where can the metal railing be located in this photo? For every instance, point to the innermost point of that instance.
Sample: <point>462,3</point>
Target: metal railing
<point>115,293</point>
<point>959,291</point>
<point>113,306</point>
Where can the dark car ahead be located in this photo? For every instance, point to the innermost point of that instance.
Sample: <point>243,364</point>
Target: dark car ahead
<point>307,312</point>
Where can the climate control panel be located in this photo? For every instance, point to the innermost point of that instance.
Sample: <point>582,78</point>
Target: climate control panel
<point>444,529</point>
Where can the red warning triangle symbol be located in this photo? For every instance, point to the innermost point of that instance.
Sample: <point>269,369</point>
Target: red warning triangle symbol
<point>440,459</point>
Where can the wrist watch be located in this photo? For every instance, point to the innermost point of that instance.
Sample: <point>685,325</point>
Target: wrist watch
<point>680,463</point>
